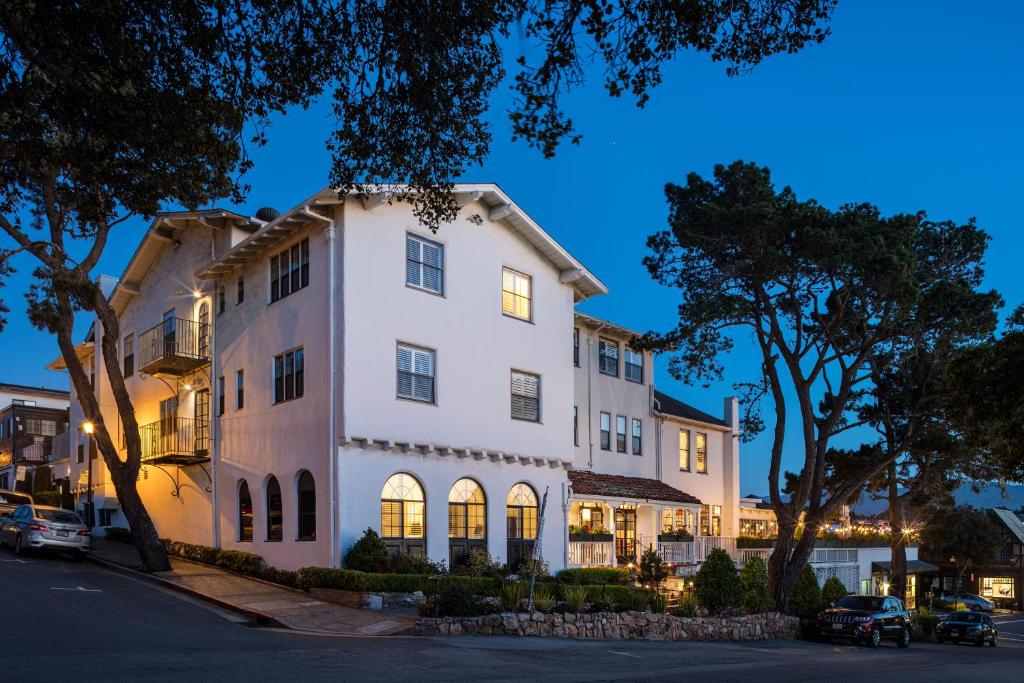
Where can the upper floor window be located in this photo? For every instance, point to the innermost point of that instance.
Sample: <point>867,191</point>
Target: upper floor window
<point>220,395</point>
<point>637,440</point>
<point>23,401</point>
<point>606,431</point>
<point>516,294</point>
<point>575,426</point>
<point>684,450</point>
<point>702,452</point>
<point>525,396</point>
<point>240,389</point>
<point>289,375</point>
<point>634,366</point>
<point>608,357</point>
<point>576,346</point>
<point>415,373</point>
<point>424,264</point>
<point>220,299</point>
<point>289,271</point>
<point>240,291</point>
<point>620,433</point>
<point>128,351</point>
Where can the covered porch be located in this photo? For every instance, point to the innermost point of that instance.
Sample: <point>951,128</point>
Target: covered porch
<point>614,519</point>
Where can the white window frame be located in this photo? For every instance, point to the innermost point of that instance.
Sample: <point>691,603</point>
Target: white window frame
<point>602,343</point>
<point>515,295</point>
<point>513,394</point>
<point>422,265</point>
<point>627,364</point>
<point>416,354</point>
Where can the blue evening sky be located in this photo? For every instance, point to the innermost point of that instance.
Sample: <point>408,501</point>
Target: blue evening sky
<point>911,105</point>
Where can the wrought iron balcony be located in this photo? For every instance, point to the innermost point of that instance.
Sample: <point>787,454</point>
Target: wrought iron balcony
<point>175,441</point>
<point>174,348</point>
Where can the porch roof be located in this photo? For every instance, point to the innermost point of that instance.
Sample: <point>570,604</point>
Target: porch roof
<point>913,567</point>
<point>616,486</point>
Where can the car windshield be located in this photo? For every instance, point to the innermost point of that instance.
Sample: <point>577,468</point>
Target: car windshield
<point>969,617</point>
<point>860,602</point>
<point>59,516</point>
<point>14,499</point>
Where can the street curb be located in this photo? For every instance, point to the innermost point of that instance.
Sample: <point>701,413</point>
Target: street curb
<point>258,618</point>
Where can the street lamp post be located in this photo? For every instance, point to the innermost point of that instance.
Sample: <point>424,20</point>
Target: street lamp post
<point>88,429</point>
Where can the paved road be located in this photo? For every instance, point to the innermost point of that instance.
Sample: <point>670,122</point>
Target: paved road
<point>83,622</point>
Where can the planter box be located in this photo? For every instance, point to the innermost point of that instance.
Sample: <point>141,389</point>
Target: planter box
<point>597,538</point>
<point>673,538</point>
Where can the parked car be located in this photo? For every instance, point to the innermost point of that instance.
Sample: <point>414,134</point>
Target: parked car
<point>966,601</point>
<point>40,527</point>
<point>868,619</point>
<point>973,627</point>
<point>10,500</point>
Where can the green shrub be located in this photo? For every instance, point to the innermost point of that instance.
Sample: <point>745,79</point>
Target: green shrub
<point>51,498</point>
<point>653,569</point>
<point>601,600</point>
<point>239,562</point>
<point>192,551</point>
<point>716,584</point>
<point>687,608</point>
<point>659,605</point>
<point>632,601</point>
<point>575,596</point>
<point>832,591</point>
<point>542,599</point>
<point>119,534</point>
<point>407,563</point>
<point>367,582</point>
<point>479,563</point>
<point>592,576</point>
<point>926,620</point>
<point>511,595</point>
<point>526,567</point>
<point>456,599</point>
<point>806,599</point>
<point>368,554</point>
<point>281,576</point>
<point>754,584</point>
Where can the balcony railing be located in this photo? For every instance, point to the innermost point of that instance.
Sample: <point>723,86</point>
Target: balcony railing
<point>591,553</point>
<point>174,348</point>
<point>677,552</point>
<point>175,440</point>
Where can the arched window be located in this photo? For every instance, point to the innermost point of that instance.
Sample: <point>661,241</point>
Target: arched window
<point>402,515</point>
<point>244,512</point>
<point>521,523</point>
<point>275,518</point>
<point>204,330</point>
<point>467,520</point>
<point>307,507</point>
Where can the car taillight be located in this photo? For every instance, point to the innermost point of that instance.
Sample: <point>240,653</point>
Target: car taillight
<point>38,527</point>
<point>84,532</point>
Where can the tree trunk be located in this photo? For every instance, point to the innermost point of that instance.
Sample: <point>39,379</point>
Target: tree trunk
<point>144,535</point>
<point>897,539</point>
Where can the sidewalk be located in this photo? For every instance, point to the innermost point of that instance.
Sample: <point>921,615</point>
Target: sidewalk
<point>262,602</point>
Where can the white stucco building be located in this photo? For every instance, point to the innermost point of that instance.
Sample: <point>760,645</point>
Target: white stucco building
<point>301,377</point>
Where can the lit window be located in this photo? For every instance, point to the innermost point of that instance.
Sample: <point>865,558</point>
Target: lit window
<point>424,264</point>
<point>402,510</point>
<point>525,396</point>
<point>467,514</point>
<point>515,294</point>
<point>702,452</point>
<point>684,450</point>
<point>415,373</point>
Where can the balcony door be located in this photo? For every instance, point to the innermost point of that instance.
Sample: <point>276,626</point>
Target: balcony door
<point>168,420</point>
<point>202,422</point>
<point>168,332</point>
<point>625,535</point>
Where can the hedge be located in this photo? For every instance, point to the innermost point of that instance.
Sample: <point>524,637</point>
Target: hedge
<point>352,580</point>
<point>236,561</point>
<point>589,576</point>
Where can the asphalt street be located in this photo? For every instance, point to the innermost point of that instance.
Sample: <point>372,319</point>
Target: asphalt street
<point>84,622</point>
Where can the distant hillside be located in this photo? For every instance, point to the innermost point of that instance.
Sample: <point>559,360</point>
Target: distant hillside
<point>988,497</point>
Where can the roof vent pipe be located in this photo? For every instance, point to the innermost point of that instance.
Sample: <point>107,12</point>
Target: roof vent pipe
<point>267,214</point>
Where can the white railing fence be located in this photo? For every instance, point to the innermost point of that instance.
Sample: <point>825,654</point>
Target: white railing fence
<point>591,553</point>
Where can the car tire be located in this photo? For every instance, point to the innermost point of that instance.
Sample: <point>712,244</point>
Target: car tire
<point>980,641</point>
<point>874,638</point>
<point>19,549</point>
<point>940,640</point>
<point>904,639</point>
<point>994,641</point>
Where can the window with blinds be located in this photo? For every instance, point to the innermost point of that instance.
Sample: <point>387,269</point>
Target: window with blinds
<point>42,427</point>
<point>702,452</point>
<point>415,373</point>
<point>606,431</point>
<point>608,357</point>
<point>525,396</point>
<point>637,436</point>
<point>424,264</point>
<point>634,366</point>
<point>516,294</point>
<point>576,346</point>
<point>289,271</point>
<point>684,450</point>
<point>620,433</point>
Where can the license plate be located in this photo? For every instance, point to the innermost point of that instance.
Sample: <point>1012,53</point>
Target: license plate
<point>62,533</point>
<point>837,627</point>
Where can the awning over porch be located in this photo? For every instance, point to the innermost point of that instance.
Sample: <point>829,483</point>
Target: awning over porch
<point>586,483</point>
<point>913,567</point>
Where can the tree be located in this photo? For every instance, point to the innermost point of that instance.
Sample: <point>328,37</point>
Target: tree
<point>822,293</point>
<point>963,535</point>
<point>113,109</point>
<point>806,594</point>
<point>754,582</point>
<point>716,583</point>
<point>832,590</point>
<point>653,570</point>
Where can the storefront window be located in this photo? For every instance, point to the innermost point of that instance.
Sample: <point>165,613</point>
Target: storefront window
<point>997,587</point>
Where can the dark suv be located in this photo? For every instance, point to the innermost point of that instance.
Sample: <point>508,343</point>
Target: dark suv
<point>868,619</point>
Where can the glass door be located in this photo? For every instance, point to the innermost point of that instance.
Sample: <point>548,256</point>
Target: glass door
<point>625,535</point>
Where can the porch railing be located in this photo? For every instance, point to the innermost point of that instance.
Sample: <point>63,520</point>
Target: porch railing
<point>705,544</point>
<point>591,553</point>
<point>174,342</point>
<point>677,552</point>
<point>744,554</point>
<point>175,438</point>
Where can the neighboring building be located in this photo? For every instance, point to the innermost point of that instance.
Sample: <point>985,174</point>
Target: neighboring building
<point>31,420</point>
<point>757,518</point>
<point>1000,580</point>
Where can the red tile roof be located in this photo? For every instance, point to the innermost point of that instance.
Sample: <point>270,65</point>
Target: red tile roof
<point>615,486</point>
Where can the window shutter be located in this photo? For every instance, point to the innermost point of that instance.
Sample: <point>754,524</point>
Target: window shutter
<point>413,270</point>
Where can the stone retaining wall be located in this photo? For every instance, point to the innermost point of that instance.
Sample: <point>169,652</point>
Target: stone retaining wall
<point>616,626</point>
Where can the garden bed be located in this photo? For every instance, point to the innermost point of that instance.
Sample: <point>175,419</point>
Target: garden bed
<point>616,626</point>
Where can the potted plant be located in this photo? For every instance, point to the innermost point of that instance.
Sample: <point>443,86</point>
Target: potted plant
<point>677,536</point>
<point>587,532</point>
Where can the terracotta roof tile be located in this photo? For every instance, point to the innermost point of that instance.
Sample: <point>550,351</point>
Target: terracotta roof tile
<point>616,486</point>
